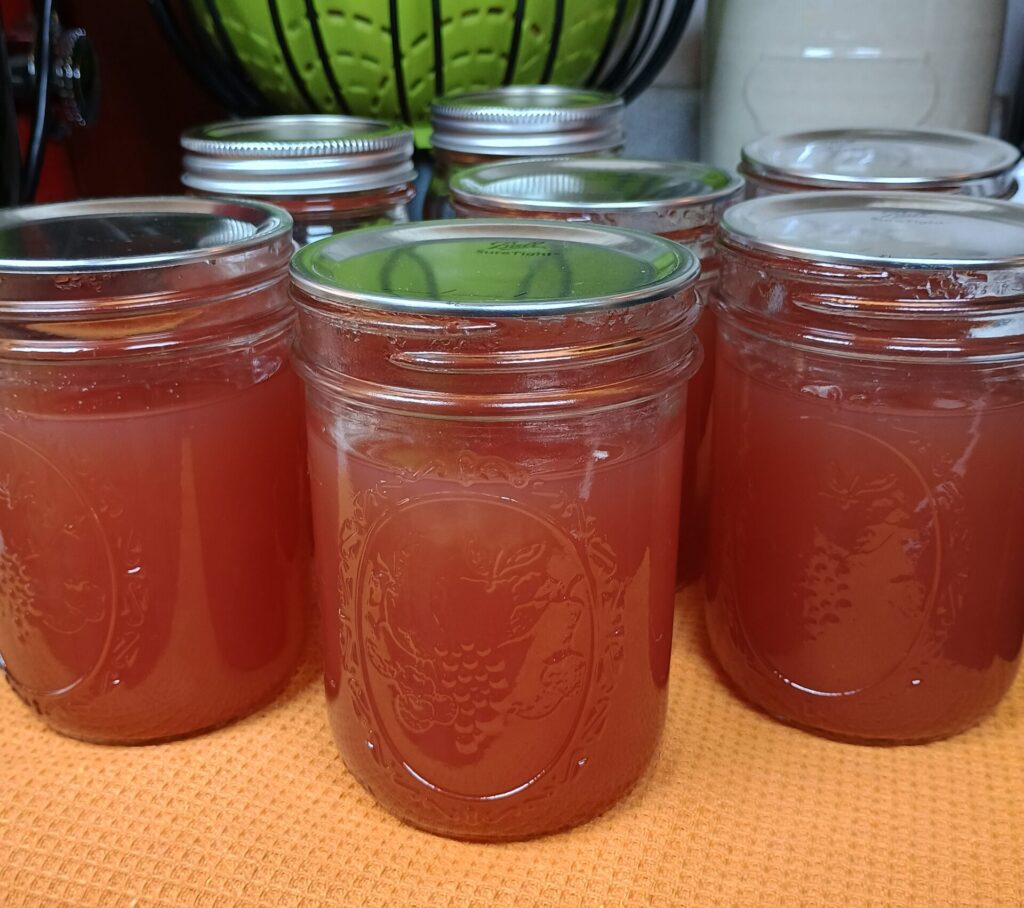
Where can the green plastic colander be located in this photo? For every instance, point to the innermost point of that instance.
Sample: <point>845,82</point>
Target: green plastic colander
<point>389,59</point>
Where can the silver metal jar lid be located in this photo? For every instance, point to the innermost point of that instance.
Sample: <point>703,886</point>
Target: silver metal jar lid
<point>886,229</point>
<point>124,234</point>
<point>593,185</point>
<point>493,267</point>
<point>524,120</point>
<point>297,155</point>
<point>881,159</point>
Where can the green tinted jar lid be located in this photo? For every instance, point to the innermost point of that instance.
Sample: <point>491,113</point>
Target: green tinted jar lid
<point>593,185</point>
<point>493,267</point>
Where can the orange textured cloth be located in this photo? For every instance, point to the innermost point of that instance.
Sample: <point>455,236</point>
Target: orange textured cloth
<point>738,810</point>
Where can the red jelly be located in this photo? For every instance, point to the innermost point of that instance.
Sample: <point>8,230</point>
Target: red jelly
<point>868,487</point>
<point>679,200</point>
<point>153,536</point>
<point>496,432</point>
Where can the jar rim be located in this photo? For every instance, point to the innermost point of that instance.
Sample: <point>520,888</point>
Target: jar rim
<point>650,267</point>
<point>880,159</point>
<point>880,229</point>
<point>672,184</point>
<point>297,135</point>
<point>522,103</point>
<point>298,154</point>
<point>232,227</point>
<point>528,120</point>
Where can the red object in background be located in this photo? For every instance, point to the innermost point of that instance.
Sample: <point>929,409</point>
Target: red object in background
<point>147,99</point>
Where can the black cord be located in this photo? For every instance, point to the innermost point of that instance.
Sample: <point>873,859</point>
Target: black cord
<point>289,61</point>
<point>610,40</point>
<point>641,49</point>
<point>437,21</point>
<point>556,39</point>
<point>613,79</point>
<point>396,60</point>
<point>636,82</point>
<point>513,47</point>
<point>190,59</point>
<point>325,59</point>
<point>10,148</point>
<point>224,55</point>
<point>37,134</point>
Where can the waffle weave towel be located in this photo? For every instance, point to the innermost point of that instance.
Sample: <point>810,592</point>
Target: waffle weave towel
<point>737,811</point>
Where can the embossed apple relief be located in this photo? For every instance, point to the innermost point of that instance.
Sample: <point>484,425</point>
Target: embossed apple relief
<point>475,627</point>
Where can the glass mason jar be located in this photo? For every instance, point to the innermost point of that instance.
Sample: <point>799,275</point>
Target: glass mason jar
<point>518,121</point>
<point>679,200</point>
<point>866,577</point>
<point>921,160</point>
<point>496,416</point>
<point>332,173</point>
<point>153,518</point>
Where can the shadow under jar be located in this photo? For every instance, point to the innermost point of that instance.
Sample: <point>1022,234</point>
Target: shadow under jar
<point>496,417</point>
<point>153,509</point>
<point>879,160</point>
<point>679,200</point>
<point>331,173</point>
<point>514,122</point>
<point>866,577</point>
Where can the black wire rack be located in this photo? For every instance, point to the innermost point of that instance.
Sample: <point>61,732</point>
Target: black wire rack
<point>635,50</point>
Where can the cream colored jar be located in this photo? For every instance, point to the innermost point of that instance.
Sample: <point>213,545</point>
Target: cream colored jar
<point>788,65</point>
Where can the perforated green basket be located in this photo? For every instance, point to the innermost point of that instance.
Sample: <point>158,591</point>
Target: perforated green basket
<point>390,58</point>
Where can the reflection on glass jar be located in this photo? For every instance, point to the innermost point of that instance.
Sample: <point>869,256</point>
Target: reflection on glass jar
<point>679,200</point>
<point>153,520</point>
<point>495,443</point>
<point>331,173</point>
<point>514,122</point>
<point>868,488</point>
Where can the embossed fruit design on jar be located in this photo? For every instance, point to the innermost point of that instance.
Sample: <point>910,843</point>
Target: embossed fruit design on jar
<point>153,515</point>
<point>868,487</point>
<point>679,200</point>
<point>496,423</point>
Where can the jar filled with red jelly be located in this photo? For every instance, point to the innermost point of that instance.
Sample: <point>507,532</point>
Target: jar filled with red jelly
<point>866,578</point>
<point>332,173</point>
<point>496,412</point>
<point>518,121</point>
<point>676,199</point>
<point>917,160</point>
<point>153,513</point>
